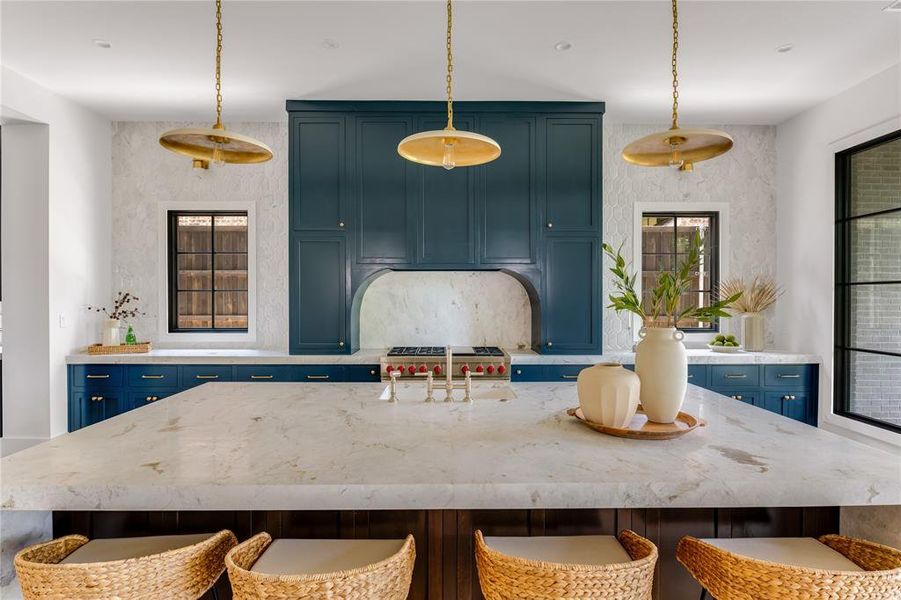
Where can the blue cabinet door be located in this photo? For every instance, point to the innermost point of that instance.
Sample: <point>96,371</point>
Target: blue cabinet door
<point>98,406</point>
<point>446,208</point>
<point>384,191</point>
<point>792,404</point>
<point>734,376</point>
<point>263,373</point>
<point>527,373</point>
<point>158,376</point>
<point>507,194</point>
<point>194,375</point>
<point>146,397</point>
<point>697,375</point>
<point>362,373</point>
<point>97,376</point>
<point>563,372</point>
<point>318,177</point>
<point>319,373</point>
<point>318,280</point>
<point>572,175</point>
<point>570,310</point>
<point>747,396</point>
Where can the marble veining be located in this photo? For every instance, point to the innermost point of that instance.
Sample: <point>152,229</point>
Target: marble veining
<point>367,356</point>
<point>270,446</point>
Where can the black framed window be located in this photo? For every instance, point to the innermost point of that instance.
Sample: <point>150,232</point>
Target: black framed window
<point>867,382</point>
<point>665,241</point>
<point>208,271</point>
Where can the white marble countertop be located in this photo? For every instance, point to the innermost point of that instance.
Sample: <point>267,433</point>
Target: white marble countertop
<point>299,446</point>
<point>372,356</point>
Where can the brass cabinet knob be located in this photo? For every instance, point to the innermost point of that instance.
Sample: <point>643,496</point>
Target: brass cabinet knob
<point>340,344</point>
<point>372,371</point>
<point>550,225</point>
<point>341,224</point>
<point>549,344</point>
<point>519,371</point>
<point>97,398</point>
<point>152,398</point>
<point>787,397</point>
<point>736,397</point>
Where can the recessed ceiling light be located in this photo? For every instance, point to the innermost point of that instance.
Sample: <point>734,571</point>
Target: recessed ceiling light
<point>330,44</point>
<point>563,46</point>
<point>787,47</point>
<point>102,43</point>
<point>893,7</point>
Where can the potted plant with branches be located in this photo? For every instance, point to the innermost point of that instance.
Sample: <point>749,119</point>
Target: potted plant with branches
<point>121,309</point>
<point>660,358</point>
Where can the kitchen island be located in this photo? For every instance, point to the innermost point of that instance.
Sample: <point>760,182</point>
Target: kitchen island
<point>324,460</point>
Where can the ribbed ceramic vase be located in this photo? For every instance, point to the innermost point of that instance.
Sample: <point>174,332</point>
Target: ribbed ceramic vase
<point>111,332</point>
<point>752,332</point>
<point>608,394</point>
<point>662,366</point>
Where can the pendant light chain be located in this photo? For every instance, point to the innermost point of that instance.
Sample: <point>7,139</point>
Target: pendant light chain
<point>675,64</point>
<point>219,62</point>
<point>450,67</point>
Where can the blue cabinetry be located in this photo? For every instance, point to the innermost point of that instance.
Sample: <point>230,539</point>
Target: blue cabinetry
<point>98,392</point>
<point>357,209</point>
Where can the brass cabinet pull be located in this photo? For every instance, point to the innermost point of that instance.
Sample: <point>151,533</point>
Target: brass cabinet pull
<point>690,375</point>
<point>550,225</point>
<point>340,344</point>
<point>549,344</point>
<point>519,371</point>
<point>569,376</point>
<point>317,376</point>
<point>788,397</point>
<point>340,223</point>
<point>206,377</point>
<point>151,398</point>
<point>736,376</point>
<point>736,397</point>
<point>372,371</point>
<point>106,376</point>
<point>261,376</point>
<point>153,376</point>
<point>96,398</point>
<point>788,376</point>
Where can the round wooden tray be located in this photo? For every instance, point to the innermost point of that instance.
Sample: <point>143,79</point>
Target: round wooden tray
<point>642,429</point>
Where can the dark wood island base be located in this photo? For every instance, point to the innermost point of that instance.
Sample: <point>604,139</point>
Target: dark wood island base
<point>445,564</point>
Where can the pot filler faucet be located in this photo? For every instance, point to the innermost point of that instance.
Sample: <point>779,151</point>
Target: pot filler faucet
<point>449,385</point>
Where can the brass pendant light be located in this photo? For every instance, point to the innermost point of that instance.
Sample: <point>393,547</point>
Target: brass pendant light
<point>216,143</point>
<point>677,148</point>
<point>449,147</point>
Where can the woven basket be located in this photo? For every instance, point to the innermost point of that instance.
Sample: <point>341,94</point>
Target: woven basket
<point>385,580</point>
<point>180,574</point>
<point>729,576</point>
<point>139,348</point>
<point>505,577</point>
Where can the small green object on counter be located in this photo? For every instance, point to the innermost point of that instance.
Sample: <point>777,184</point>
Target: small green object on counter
<point>130,337</point>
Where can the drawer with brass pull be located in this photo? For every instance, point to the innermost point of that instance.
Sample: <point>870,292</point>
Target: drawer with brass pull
<point>145,397</point>
<point>318,373</point>
<point>262,373</point>
<point>788,376</point>
<point>152,376</point>
<point>731,376</point>
<point>362,373</point>
<point>194,375</point>
<point>96,376</point>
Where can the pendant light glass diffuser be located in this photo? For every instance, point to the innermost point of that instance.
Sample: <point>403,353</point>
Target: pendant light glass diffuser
<point>216,144</point>
<point>676,147</point>
<point>449,147</point>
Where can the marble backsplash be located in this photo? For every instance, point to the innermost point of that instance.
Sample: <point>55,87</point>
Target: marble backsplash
<point>445,307</point>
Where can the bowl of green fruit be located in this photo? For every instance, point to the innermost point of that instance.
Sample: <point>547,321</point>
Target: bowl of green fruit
<point>724,343</point>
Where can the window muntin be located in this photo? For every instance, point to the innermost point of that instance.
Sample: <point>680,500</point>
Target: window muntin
<point>665,241</point>
<point>208,271</point>
<point>868,283</point>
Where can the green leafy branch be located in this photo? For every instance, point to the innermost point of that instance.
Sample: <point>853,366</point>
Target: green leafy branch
<point>663,303</point>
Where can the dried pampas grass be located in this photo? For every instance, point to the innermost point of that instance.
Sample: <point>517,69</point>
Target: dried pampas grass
<point>757,295</point>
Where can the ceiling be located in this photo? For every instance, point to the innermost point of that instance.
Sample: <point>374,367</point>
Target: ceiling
<point>160,65</point>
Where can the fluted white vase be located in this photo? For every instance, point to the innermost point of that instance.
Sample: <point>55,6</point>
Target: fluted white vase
<point>662,366</point>
<point>753,337</point>
<point>608,394</point>
<point>111,329</point>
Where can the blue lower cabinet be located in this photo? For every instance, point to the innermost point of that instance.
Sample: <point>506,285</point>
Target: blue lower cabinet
<point>362,373</point>
<point>747,396</point>
<point>527,373</point>
<point>96,376</point>
<point>145,397</point>
<point>263,373</point>
<point>793,404</point>
<point>97,406</point>
<point>563,372</point>
<point>697,375</point>
<point>194,375</point>
<point>318,373</point>
<point>734,376</point>
<point>155,376</point>
<point>789,376</point>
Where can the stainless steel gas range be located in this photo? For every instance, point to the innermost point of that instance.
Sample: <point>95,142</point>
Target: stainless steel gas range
<point>488,362</point>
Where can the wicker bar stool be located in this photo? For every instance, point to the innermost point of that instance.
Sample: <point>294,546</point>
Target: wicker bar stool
<point>830,568</point>
<point>179,567</point>
<point>261,568</point>
<point>585,566</point>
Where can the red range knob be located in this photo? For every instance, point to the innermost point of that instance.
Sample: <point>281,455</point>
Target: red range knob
<point>490,369</point>
<point>437,370</point>
<point>388,369</point>
<point>411,369</point>
<point>501,369</point>
<point>423,368</point>
<point>480,369</point>
<point>464,369</point>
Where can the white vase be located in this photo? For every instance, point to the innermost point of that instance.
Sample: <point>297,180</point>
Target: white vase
<point>662,366</point>
<point>608,394</point>
<point>752,332</point>
<point>111,328</point>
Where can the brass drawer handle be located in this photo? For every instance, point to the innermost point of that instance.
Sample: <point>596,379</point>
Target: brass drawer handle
<point>789,398</point>
<point>206,377</point>
<point>151,398</point>
<point>97,376</point>
<point>153,376</point>
<point>569,376</point>
<point>261,376</point>
<point>736,397</point>
<point>736,376</point>
<point>317,376</point>
<point>96,398</point>
<point>788,376</point>
<point>690,375</point>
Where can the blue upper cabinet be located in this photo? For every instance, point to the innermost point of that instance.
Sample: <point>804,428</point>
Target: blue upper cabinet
<point>318,294</point>
<point>571,307</point>
<point>446,208</point>
<point>319,185</point>
<point>384,191</point>
<point>507,193</point>
<point>357,207</point>
<point>572,199</point>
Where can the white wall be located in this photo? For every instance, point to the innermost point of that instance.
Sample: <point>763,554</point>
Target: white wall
<point>78,239</point>
<point>806,147</point>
